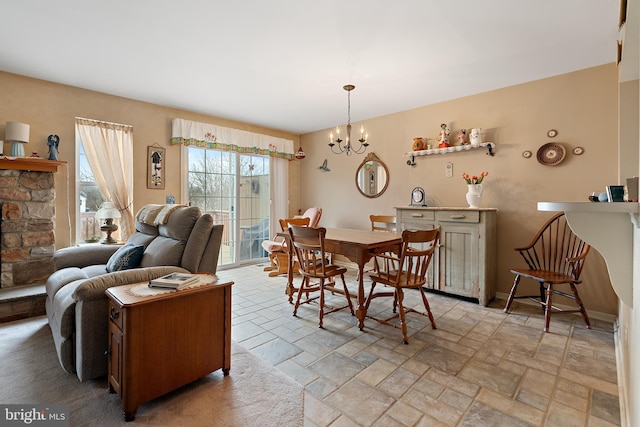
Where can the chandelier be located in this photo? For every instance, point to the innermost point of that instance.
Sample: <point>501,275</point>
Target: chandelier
<point>347,147</point>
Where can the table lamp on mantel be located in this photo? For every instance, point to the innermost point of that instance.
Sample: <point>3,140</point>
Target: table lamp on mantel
<point>18,134</point>
<point>107,213</point>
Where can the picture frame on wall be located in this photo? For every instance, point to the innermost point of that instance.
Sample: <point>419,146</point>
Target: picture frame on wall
<point>155,167</point>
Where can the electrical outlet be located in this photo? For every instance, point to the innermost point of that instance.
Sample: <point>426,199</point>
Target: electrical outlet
<point>448,170</point>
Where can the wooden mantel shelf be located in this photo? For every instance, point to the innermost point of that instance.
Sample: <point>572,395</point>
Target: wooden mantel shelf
<point>30,164</point>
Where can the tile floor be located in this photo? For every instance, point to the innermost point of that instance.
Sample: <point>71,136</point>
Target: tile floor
<point>480,367</point>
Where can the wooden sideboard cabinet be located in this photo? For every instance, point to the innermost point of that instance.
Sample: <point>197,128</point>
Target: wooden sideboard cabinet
<point>160,343</point>
<point>465,262</point>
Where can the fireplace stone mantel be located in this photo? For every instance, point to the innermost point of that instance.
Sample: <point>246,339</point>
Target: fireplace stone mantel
<point>27,220</point>
<point>36,164</point>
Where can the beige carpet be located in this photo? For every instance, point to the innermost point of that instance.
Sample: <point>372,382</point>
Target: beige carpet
<point>254,393</point>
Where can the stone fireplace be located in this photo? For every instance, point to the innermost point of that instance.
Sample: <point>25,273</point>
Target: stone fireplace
<point>27,237</point>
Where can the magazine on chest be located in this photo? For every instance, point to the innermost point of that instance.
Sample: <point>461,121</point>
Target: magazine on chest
<point>174,281</point>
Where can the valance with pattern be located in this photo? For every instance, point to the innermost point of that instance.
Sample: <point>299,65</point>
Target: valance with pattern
<point>222,138</point>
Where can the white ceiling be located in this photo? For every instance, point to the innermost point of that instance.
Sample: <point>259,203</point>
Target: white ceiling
<point>282,63</point>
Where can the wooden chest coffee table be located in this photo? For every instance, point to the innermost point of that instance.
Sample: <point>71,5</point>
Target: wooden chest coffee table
<point>158,343</point>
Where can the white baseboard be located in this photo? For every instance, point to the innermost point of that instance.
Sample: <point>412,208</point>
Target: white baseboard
<point>623,378</point>
<point>597,315</point>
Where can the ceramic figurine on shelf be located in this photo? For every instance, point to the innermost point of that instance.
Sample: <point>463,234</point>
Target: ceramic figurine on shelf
<point>443,136</point>
<point>418,144</point>
<point>53,142</point>
<point>462,137</point>
<point>475,137</point>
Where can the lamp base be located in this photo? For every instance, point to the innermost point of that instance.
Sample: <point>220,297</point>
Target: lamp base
<point>109,228</point>
<point>109,240</point>
<point>17,149</point>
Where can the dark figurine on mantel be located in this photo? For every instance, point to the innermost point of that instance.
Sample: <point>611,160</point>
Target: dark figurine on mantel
<point>53,142</point>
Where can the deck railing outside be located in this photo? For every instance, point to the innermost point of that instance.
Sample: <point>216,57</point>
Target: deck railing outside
<point>89,227</point>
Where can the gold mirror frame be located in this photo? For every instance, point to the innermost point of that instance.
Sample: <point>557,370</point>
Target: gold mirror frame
<point>372,177</point>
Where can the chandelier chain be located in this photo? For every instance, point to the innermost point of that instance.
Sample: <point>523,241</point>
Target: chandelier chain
<point>348,107</point>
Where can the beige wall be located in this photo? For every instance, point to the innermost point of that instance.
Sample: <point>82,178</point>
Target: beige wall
<point>628,129</point>
<point>582,106</point>
<point>51,109</point>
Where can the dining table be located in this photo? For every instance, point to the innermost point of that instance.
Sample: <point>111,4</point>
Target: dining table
<point>359,246</point>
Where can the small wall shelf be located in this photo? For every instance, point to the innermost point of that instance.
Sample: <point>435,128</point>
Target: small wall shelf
<point>453,149</point>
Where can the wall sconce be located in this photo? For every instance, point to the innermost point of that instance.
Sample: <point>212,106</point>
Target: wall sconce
<point>18,134</point>
<point>108,213</point>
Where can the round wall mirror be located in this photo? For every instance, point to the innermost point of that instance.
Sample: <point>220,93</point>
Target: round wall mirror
<point>372,176</point>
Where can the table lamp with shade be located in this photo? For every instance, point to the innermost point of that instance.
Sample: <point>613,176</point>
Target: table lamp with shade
<point>106,214</point>
<point>18,134</point>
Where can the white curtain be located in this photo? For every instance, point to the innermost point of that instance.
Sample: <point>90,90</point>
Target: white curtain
<point>279,193</point>
<point>109,151</point>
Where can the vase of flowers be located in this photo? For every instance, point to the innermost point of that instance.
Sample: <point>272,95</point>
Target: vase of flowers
<point>474,188</point>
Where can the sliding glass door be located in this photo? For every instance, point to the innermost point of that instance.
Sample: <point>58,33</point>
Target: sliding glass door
<point>235,189</point>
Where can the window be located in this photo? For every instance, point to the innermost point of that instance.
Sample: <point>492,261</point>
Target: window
<point>235,189</point>
<point>104,166</point>
<point>90,200</point>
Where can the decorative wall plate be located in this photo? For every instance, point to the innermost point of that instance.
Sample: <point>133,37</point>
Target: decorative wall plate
<point>526,154</point>
<point>578,150</point>
<point>551,154</point>
<point>552,133</point>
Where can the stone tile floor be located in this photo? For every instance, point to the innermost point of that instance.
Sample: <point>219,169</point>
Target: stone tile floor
<point>480,367</point>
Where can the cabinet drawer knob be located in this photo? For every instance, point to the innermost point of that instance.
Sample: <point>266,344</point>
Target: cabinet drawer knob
<point>416,215</point>
<point>114,314</point>
<point>457,216</point>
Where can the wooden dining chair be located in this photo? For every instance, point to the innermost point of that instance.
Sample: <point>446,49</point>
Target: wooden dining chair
<point>554,257</point>
<point>404,267</point>
<point>383,222</point>
<point>308,246</point>
<point>277,247</point>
